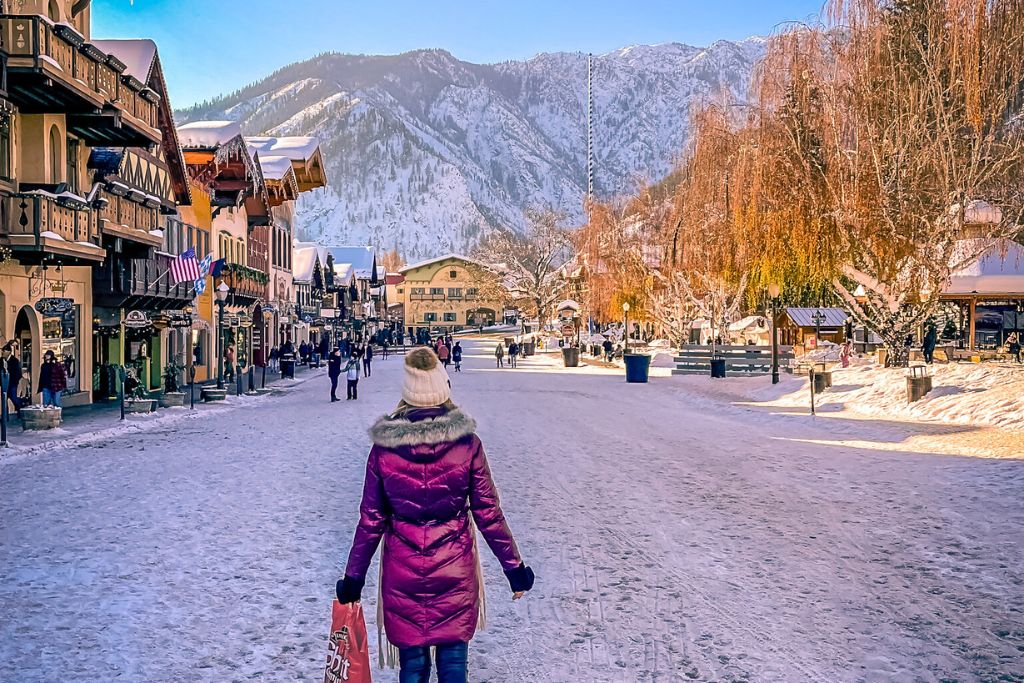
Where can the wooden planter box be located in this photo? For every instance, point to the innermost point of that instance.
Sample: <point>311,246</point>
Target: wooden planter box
<point>140,405</point>
<point>39,418</point>
<point>173,400</point>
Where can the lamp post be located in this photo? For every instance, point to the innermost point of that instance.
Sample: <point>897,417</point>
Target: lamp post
<point>818,318</point>
<point>221,296</point>
<point>773,292</point>
<point>625,328</point>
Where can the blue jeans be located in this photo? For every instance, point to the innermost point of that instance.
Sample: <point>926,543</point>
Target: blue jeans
<point>51,397</point>
<point>452,664</point>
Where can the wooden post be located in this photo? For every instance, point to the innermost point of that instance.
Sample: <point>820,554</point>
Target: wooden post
<point>971,323</point>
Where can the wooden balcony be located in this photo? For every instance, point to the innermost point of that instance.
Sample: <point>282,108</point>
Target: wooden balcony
<point>51,69</point>
<point>248,285</point>
<point>426,297</point>
<point>124,218</point>
<point>142,283</point>
<point>40,226</point>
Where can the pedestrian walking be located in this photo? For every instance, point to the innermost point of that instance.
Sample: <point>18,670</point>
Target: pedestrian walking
<point>367,359</point>
<point>384,349</point>
<point>274,356</point>
<point>53,380</point>
<point>499,355</point>
<point>334,372</point>
<point>513,353</point>
<point>13,366</point>
<point>931,338</point>
<point>323,351</point>
<point>229,363</point>
<point>428,489</point>
<point>1014,346</point>
<point>845,351</point>
<point>457,356</point>
<point>609,350</point>
<point>444,354</point>
<point>352,377</point>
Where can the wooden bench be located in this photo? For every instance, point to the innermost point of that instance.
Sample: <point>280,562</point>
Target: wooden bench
<point>740,361</point>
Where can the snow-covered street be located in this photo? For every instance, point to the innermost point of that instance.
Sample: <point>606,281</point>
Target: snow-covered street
<point>675,537</point>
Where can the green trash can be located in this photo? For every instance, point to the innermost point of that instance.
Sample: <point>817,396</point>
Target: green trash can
<point>638,367</point>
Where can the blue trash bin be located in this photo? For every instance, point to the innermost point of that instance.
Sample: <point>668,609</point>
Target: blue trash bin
<point>638,367</point>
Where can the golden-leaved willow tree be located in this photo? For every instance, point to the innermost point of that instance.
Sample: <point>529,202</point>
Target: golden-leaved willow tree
<point>883,150</point>
<point>892,152</point>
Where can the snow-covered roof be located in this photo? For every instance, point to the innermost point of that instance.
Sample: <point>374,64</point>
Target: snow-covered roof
<point>568,305</point>
<point>137,55</point>
<point>999,269</point>
<point>343,273</point>
<point>275,167</point>
<point>303,261</point>
<point>752,323</point>
<point>295,147</point>
<point>208,134</point>
<point>439,259</point>
<point>362,259</point>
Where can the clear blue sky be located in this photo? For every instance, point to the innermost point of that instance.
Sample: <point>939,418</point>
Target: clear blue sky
<point>210,47</point>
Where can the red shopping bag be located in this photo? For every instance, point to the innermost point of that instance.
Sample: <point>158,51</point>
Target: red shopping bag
<point>348,657</point>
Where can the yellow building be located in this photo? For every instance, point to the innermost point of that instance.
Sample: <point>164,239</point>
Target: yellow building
<point>65,96</point>
<point>448,293</point>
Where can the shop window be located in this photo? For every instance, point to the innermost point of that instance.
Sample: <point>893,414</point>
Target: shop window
<point>449,317</point>
<point>60,335</point>
<point>5,147</point>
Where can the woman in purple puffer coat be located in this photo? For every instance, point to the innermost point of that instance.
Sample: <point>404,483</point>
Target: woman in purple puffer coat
<point>428,488</point>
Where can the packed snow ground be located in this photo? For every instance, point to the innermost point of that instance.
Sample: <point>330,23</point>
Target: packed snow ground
<point>675,535</point>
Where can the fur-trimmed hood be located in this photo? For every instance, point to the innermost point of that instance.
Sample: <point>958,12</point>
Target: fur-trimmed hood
<point>400,433</point>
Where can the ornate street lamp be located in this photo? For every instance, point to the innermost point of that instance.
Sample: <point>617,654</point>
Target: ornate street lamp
<point>221,296</point>
<point>773,292</point>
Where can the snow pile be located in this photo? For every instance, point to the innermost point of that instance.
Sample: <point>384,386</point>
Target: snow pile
<point>968,394</point>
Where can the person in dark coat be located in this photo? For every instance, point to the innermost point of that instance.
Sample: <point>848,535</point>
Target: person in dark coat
<point>325,349</point>
<point>367,359</point>
<point>609,350</point>
<point>428,489</point>
<point>334,372</point>
<point>52,380</point>
<point>457,356</point>
<point>13,366</point>
<point>513,353</point>
<point>1014,346</point>
<point>931,338</point>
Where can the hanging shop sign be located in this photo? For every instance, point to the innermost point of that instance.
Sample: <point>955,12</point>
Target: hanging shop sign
<point>568,330</point>
<point>328,312</point>
<point>257,337</point>
<point>54,306</point>
<point>233,321</point>
<point>136,320</point>
<point>180,321</point>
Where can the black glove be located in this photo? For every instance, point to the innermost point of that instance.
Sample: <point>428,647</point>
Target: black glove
<point>350,590</point>
<point>520,578</point>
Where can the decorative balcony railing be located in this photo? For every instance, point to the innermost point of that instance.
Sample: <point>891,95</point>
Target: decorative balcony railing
<point>55,224</point>
<point>52,69</point>
<point>426,297</point>
<point>245,282</point>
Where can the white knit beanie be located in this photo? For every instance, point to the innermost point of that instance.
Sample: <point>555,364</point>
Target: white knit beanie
<point>426,382</point>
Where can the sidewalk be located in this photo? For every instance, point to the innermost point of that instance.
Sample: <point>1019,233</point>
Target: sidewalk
<point>83,425</point>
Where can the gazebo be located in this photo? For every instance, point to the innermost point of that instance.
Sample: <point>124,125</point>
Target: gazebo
<point>990,293</point>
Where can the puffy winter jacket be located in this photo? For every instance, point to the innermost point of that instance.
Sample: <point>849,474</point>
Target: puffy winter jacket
<point>426,474</point>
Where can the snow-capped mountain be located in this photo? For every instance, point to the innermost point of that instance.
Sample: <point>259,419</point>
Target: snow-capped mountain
<point>426,152</point>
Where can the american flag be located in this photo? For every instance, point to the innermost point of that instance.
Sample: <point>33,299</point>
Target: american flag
<point>185,267</point>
